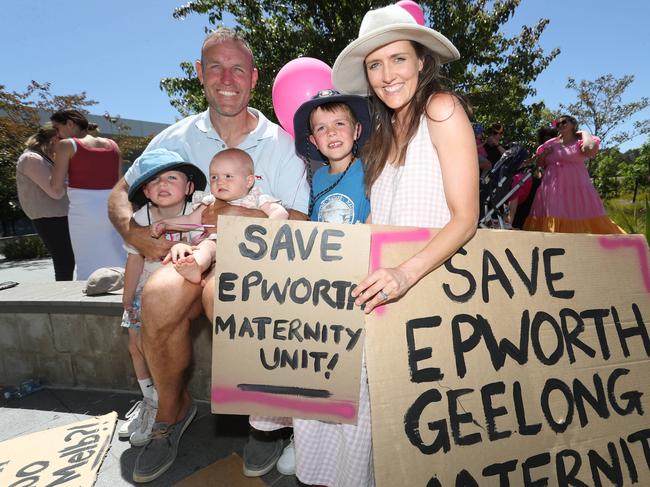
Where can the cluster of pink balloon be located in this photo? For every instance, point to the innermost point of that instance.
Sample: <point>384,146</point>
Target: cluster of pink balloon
<point>301,79</point>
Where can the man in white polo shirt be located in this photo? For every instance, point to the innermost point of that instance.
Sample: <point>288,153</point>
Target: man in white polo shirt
<point>228,74</point>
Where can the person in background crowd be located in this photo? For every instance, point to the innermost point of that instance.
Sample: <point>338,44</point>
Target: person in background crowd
<point>41,203</point>
<point>492,143</point>
<point>524,204</point>
<point>566,200</point>
<point>484,163</point>
<point>91,165</point>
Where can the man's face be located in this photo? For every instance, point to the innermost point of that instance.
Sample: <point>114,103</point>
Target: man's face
<point>227,75</point>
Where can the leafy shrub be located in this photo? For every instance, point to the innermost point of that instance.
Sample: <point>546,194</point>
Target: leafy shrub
<point>29,247</point>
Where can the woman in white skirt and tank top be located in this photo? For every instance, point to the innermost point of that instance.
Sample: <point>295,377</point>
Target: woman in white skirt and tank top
<point>421,166</point>
<point>91,166</point>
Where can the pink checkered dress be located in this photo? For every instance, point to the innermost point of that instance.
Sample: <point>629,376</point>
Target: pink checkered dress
<point>338,455</point>
<point>412,194</point>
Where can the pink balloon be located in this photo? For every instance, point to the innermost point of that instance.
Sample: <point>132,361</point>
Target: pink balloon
<point>414,9</point>
<point>298,81</point>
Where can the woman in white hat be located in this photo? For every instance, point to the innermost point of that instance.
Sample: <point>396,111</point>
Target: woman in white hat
<point>421,159</point>
<point>421,168</point>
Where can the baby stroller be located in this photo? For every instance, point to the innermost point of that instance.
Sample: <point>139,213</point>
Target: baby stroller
<point>496,186</point>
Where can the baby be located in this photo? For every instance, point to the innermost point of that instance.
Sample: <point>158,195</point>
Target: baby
<point>232,179</point>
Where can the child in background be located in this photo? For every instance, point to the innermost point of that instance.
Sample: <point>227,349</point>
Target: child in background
<point>232,179</point>
<point>163,189</point>
<point>330,128</point>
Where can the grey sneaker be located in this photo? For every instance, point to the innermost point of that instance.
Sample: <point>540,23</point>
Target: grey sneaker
<point>261,453</point>
<point>159,454</point>
<point>142,434</point>
<point>132,422</point>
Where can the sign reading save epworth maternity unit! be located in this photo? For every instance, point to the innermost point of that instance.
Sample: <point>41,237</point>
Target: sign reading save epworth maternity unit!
<point>287,337</point>
<point>522,362</point>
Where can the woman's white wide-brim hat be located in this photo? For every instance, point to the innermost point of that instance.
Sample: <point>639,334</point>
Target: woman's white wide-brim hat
<point>378,28</point>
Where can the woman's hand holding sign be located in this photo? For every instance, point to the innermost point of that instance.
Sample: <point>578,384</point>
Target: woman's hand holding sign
<point>385,284</point>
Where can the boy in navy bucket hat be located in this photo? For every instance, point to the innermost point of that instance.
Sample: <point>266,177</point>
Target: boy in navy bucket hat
<point>332,128</point>
<point>162,189</point>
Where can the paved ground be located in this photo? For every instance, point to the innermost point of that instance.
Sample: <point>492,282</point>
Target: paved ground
<point>208,439</point>
<point>34,270</point>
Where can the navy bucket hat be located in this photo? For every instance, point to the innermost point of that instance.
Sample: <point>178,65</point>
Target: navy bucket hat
<point>302,127</point>
<point>151,163</point>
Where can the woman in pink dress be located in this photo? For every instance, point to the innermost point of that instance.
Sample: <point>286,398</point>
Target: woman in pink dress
<point>566,200</point>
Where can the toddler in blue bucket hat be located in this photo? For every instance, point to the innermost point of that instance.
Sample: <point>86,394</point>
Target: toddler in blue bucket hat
<point>162,189</point>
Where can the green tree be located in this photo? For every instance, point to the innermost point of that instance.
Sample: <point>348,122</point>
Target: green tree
<point>606,173</point>
<point>600,107</point>
<point>635,173</point>
<point>495,71</point>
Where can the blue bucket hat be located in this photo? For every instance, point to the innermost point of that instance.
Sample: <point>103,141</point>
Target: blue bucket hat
<point>302,127</point>
<point>151,163</point>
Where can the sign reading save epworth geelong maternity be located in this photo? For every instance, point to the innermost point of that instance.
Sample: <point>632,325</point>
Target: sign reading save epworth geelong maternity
<point>523,361</point>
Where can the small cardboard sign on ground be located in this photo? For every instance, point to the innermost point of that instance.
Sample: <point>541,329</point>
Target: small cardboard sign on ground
<point>287,338</point>
<point>68,455</point>
<point>522,361</point>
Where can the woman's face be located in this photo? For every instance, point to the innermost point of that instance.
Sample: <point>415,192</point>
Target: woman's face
<point>65,130</point>
<point>564,126</point>
<point>393,73</point>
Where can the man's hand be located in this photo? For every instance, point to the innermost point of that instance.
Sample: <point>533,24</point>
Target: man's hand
<point>220,207</point>
<point>140,238</point>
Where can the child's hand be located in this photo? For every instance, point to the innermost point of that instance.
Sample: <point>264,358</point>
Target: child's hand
<point>177,252</point>
<point>158,229</point>
<point>130,313</point>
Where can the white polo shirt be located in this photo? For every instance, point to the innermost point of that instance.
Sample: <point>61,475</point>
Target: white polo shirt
<point>280,172</point>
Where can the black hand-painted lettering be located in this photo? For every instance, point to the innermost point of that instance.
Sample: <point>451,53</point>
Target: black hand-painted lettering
<point>429,374</point>
<point>471,282</point>
<point>326,246</point>
<point>490,261</point>
<point>250,234</point>
<point>551,276</point>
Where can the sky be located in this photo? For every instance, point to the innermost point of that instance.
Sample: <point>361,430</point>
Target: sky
<point>118,50</point>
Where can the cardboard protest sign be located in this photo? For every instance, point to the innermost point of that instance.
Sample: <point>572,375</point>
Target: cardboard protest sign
<point>523,361</point>
<point>68,455</point>
<point>287,338</point>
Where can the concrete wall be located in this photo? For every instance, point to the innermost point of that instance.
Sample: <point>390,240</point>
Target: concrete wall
<point>84,350</point>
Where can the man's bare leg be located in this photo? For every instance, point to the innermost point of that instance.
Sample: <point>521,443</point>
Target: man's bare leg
<point>208,296</point>
<point>262,450</point>
<point>169,303</point>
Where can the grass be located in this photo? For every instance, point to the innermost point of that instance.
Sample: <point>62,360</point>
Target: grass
<point>631,217</point>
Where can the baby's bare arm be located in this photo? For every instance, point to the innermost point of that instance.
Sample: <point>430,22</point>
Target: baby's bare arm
<point>177,224</point>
